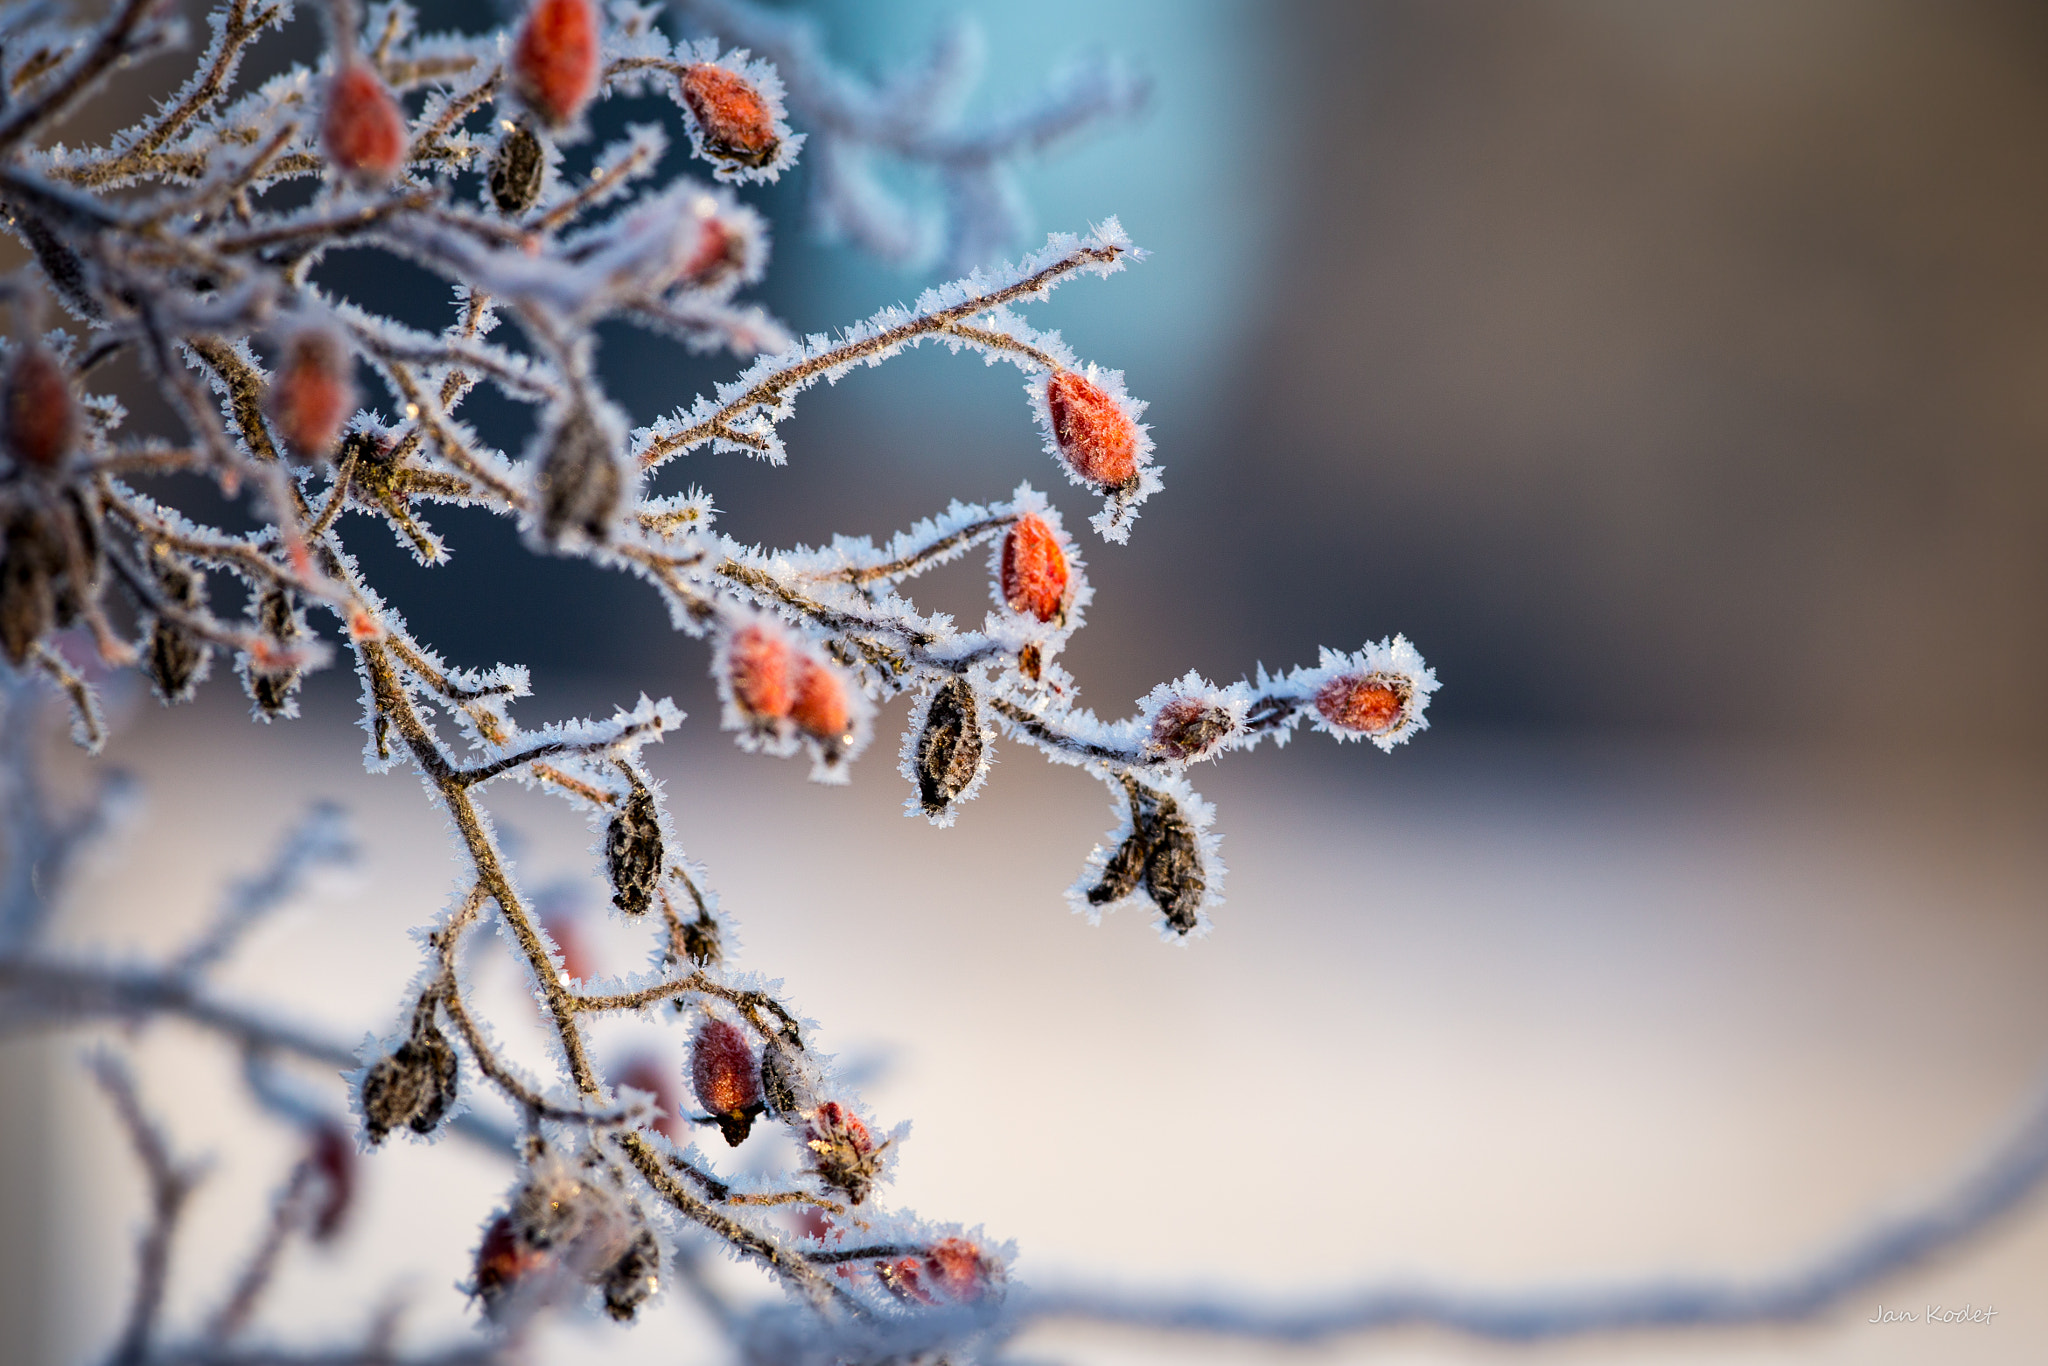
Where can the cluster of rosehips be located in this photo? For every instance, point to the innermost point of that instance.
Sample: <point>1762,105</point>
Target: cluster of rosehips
<point>565,1224</point>
<point>735,1089</point>
<point>555,71</point>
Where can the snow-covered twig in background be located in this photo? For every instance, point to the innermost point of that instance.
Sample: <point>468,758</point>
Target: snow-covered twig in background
<point>915,118</point>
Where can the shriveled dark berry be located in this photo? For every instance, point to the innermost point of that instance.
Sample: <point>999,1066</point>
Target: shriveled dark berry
<point>785,1087</point>
<point>516,171</point>
<point>177,656</point>
<point>413,1086</point>
<point>633,853</point>
<point>1164,853</point>
<point>1173,868</point>
<point>949,749</point>
<point>29,565</point>
<point>628,1282</point>
<point>579,479</point>
<point>272,689</point>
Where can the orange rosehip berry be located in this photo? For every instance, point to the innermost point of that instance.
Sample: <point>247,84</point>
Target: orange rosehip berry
<point>726,1078</point>
<point>1095,436</point>
<point>363,129</point>
<point>38,416</point>
<point>1034,570</point>
<point>314,393</point>
<point>1371,704</point>
<point>761,668</point>
<point>733,122</point>
<point>821,709</point>
<point>555,61</point>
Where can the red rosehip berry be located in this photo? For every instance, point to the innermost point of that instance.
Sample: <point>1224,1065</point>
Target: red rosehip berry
<point>761,667</point>
<point>1034,570</point>
<point>503,1260</point>
<point>820,708</point>
<point>843,1152</point>
<point>726,1078</point>
<point>555,60</point>
<point>1096,437</point>
<point>1371,704</point>
<point>719,254</point>
<point>904,1278</point>
<point>333,1159</point>
<point>314,394</point>
<point>958,1268</point>
<point>643,1073</point>
<point>567,932</point>
<point>734,122</point>
<point>38,416</point>
<point>363,129</point>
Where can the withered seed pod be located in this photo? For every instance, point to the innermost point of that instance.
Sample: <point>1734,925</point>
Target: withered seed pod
<point>632,851</point>
<point>412,1086</point>
<point>579,479</point>
<point>700,940</point>
<point>29,564</point>
<point>516,171</point>
<point>1173,867</point>
<point>949,750</point>
<point>628,1282</point>
<point>1164,853</point>
<point>785,1088</point>
<point>176,656</point>
<point>272,689</point>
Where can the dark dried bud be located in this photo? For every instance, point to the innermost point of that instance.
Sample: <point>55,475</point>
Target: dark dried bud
<point>1173,868</point>
<point>700,940</point>
<point>177,657</point>
<point>785,1081</point>
<point>632,851</point>
<point>1188,729</point>
<point>272,688</point>
<point>1164,853</point>
<point>64,268</point>
<point>579,479</point>
<point>726,1078</point>
<point>29,565</point>
<point>949,750</point>
<point>843,1152</point>
<point>628,1282</point>
<point>412,1087</point>
<point>1120,875</point>
<point>516,171</point>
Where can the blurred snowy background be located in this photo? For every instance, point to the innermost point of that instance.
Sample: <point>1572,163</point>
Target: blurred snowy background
<point>1675,375</point>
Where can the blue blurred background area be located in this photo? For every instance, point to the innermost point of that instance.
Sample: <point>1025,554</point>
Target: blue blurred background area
<point>1657,367</point>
